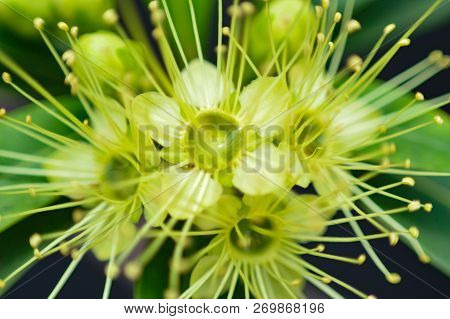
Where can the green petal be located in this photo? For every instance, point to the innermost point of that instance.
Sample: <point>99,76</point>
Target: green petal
<point>149,193</point>
<point>201,85</point>
<point>211,285</point>
<point>158,115</point>
<point>307,213</point>
<point>287,285</point>
<point>187,192</point>
<point>227,205</point>
<point>267,169</point>
<point>126,234</point>
<point>113,125</point>
<point>263,102</point>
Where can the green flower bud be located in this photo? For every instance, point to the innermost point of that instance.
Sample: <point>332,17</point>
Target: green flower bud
<point>106,55</point>
<point>293,19</point>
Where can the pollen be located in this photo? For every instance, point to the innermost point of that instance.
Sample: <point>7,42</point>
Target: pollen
<point>110,16</point>
<point>354,62</point>
<point>419,96</point>
<point>28,119</point>
<point>326,280</point>
<point>438,120</point>
<point>414,232</point>
<point>63,26</point>
<point>425,259</point>
<point>389,28</point>
<point>39,23</point>
<point>393,278</point>
<point>74,31</point>
<point>393,239</point>
<point>404,42</point>
<point>353,26</point>
<point>337,17</point>
<point>226,31</point>
<point>414,206</point>
<point>6,77</point>
<point>361,259</point>
<point>409,181</point>
<point>428,207</point>
<point>35,240</point>
<point>133,270</point>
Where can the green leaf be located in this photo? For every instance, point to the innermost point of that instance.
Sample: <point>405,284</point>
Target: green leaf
<point>433,226</point>
<point>15,249</point>
<point>429,147</point>
<point>14,140</point>
<point>154,279</point>
<point>205,14</point>
<point>375,15</point>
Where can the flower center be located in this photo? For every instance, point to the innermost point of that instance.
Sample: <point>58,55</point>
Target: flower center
<point>252,237</point>
<point>213,140</point>
<point>117,181</point>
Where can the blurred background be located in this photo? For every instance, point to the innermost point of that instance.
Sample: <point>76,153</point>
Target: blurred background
<point>18,39</point>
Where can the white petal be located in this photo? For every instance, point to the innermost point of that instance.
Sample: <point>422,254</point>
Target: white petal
<point>264,102</point>
<point>267,169</point>
<point>158,115</point>
<point>201,85</point>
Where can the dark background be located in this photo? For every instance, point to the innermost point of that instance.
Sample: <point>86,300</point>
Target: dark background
<point>418,280</point>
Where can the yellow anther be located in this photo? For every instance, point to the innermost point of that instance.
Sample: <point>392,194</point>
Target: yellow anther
<point>158,17</point>
<point>361,259</point>
<point>69,57</point>
<point>110,16</point>
<point>326,280</point>
<point>389,28</point>
<point>171,294</point>
<point>35,240</point>
<point>353,26</point>
<point>75,254</point>
<point>331,45</point>
<point>226,31</point>
<point>234,11</point>
<point>86,122</point>
<point>354,62</point>
<point>157,33</point>
<point>112,271</point>
<point>414,232</point>
<point>320,37</point>
<point>407,163</point>
<point>414,206</point>
<point>63,26</point>
<point>385,163</point>
<point>393,239</point>
<point>438,120</point>
<point>404,42</point>
<point>133,270</point>
<point>436,55</point>
<point>372,297</point>
<point>78,215</point>
<point>444,62</point>
<point>424,259</point>
<point>28,119</point>
<point>38,23</point>
<point>74,31</point>
<point>6,77</point>
<point>2,284</point>
<point>248,8</point>
<point>409,181</point>
<point>2,112</point>
<point>320,248</point>
<point>64,249</point>
<point>337,17</point>
<point>325,4</point>
<point>153,5</point>
<point>382,129</point>
<point>419,96</point>
<point>393,278</point>
<point>428,207</point>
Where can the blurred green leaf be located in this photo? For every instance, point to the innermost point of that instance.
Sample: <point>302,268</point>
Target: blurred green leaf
<point>375,15</point>
<point>206,16</point>
<point>154,279</point>
<point>15,249</point>
<point>14,140</point>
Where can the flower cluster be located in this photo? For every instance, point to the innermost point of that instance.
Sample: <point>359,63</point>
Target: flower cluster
<point>242,163</point>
